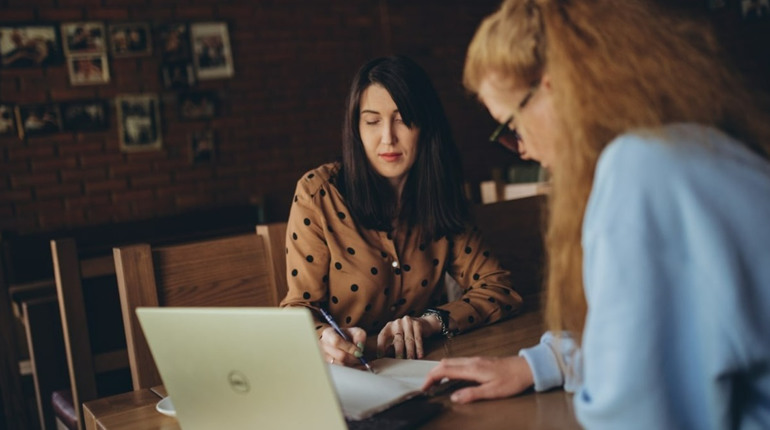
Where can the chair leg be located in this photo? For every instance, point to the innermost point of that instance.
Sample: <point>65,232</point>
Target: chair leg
<point>10,378</point>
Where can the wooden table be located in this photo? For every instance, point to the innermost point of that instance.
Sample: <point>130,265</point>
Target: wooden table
<point>550,410</point>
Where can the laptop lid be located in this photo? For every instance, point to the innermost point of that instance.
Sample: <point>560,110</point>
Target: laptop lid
<point>240,368</point>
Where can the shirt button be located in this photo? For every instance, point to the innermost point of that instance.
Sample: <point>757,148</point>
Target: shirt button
<point>394,264</point>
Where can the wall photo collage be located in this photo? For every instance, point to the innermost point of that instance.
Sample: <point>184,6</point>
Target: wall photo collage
<point>189,52</point>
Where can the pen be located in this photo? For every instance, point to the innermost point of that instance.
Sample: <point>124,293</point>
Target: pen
<point>342,334</point>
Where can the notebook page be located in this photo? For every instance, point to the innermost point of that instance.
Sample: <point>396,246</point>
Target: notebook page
<point>363,394</point>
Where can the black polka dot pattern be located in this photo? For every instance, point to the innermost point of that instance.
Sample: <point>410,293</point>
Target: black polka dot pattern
<point>323,239</point>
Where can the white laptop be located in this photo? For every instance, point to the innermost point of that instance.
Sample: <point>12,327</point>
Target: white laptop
<point>246,368</point>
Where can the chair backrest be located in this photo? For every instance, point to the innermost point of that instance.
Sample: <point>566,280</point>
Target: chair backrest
<point>514,231</point>
<point>233,271</point>
<point>84,362</point>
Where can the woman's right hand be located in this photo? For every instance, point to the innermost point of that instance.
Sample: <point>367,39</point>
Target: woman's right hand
<point>497,377</point>
<point>338,351</point>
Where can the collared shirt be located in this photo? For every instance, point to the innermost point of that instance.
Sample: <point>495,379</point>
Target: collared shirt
<point>366,278</point>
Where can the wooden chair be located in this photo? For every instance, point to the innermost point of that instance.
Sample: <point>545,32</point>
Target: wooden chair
<point>243,270</point>
<point>514,231</point>
<point>86,357</point>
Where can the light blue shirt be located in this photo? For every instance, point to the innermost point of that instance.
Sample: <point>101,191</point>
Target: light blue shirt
<point>676,243</point>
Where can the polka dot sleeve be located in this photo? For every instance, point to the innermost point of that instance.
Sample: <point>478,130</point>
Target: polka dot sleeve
<point>488,295</point>
<point>307,255</point>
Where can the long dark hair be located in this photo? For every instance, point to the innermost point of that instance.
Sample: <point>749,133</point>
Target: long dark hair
<point>432,197</point>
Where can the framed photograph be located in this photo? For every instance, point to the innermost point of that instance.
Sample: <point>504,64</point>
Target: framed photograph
<point>7,120</point>
<point>178,75</point>
<point>38,119</point>
<point>29,45</point>
<point>88,69</point>
<point>174,42</point>
<point>83,38</point>
<point>200,105</point>
<point>754,10</point>
<point>89,115</point>
<point>130,39</point>
<point>202,146</point>
<point>212,56</point>
<point>139,122</point>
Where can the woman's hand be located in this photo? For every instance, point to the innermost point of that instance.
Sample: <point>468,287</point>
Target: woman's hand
<point>406,335</point>
<point>498,377</point>
<point>338,351</point>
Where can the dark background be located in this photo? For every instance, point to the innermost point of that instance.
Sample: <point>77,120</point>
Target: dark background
<point>280,114</point>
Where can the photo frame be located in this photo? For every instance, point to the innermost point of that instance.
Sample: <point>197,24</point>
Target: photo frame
<point>174,42</point>
<point>202,146</point>
<point>139,122</point>
<point>83,38</point>
<point>131,39</point>
<point>755,10</point>
<point>212,56</point>
<point>38,119</point>
<point>7,120</point>
<point>34,45</point>
<point>88,69</point>
<point>199,105</point>
<point>178,75</point>
<point>85,115</point>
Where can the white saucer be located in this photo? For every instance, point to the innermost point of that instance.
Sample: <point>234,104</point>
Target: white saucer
<point>166,407</point>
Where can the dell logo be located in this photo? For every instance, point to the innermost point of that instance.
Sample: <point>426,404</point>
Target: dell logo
<point>238,382</point>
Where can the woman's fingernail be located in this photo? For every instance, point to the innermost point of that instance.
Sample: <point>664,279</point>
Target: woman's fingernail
<point>360,346</point>
<point>358,354</point>
<point>455,397</point>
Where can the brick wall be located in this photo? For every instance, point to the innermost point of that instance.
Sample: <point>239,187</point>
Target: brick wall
<point>281,112</point>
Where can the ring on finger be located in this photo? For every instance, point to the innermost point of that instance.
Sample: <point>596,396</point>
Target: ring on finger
<point>331,361</point>
<point>410,339</point>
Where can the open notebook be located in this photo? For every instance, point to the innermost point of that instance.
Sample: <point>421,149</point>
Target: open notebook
<point>261,367</point>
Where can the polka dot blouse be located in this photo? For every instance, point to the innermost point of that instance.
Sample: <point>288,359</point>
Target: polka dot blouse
<point>366,278</point>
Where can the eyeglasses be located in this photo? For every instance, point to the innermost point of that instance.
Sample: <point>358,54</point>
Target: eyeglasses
<point>504,134</point>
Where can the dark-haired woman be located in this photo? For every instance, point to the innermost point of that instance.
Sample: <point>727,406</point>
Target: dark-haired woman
<point>371,238</point>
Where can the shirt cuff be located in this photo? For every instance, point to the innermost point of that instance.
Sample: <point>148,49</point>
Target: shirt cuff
<point>544,365</point>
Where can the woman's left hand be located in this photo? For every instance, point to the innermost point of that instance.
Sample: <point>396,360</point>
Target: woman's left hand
<point>406,335</point>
